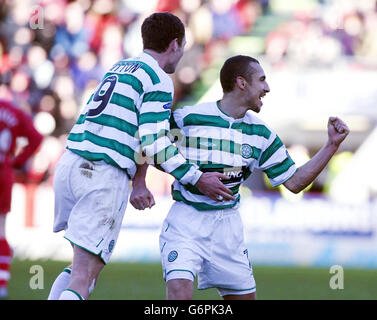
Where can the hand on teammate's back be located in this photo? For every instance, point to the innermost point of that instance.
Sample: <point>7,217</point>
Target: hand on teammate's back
<point>210,184</point>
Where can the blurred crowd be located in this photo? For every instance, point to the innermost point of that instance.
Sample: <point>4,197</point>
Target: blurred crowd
<point>53,53</point>
<point>326,34</point>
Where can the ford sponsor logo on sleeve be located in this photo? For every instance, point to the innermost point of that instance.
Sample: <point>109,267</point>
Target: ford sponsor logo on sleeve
<point>167,105</point>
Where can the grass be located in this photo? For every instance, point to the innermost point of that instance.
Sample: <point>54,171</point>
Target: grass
<point>131,281</point>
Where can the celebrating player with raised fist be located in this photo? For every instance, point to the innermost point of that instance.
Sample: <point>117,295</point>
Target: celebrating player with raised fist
<point>201,236</point>
<point>126,118</point>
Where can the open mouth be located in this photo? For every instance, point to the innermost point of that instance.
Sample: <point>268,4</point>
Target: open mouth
<point>261,96</point>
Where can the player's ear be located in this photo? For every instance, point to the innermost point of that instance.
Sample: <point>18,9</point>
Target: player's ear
<point>173,45</point>
<point>241,82</point>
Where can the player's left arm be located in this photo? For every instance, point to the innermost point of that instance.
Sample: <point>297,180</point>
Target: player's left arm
<point>305,175</point>
<point>34,138</point>
<point>141,197</point>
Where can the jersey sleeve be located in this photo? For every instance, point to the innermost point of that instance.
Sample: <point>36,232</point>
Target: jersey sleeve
<point>154,127</point>
<point>176,124</point>
<point>275,161</point>
<point>27,130</point>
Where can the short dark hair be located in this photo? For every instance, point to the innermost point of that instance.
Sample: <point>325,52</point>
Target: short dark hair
<point>234,67</point>
<point>159,29</point>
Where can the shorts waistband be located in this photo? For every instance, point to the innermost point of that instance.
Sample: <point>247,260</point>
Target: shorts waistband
<point>222,212</point>
<point>99,162</point>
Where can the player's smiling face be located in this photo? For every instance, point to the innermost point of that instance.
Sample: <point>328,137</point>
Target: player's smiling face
<point>256,88</point>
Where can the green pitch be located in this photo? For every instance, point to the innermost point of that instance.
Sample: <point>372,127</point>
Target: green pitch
<point>144,282</point>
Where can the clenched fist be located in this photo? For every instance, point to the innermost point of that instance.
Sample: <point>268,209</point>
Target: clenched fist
<point>337,130</point>
<point>141,198</point>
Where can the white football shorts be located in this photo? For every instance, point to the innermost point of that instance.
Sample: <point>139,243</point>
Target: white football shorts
<point>207,244</point>
<point>90,201</point>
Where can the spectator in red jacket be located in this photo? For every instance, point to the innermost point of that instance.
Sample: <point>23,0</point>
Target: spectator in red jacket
<point>14,123</point>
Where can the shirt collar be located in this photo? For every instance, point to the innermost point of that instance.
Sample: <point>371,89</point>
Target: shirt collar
<point>222,114</point>
<point>148,58</point>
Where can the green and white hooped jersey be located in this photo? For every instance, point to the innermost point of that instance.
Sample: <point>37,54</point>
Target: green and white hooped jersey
<point>127,116</point>
<point>216,142</point>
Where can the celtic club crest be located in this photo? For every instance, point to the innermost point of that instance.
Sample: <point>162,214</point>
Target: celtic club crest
<point>246,151</point>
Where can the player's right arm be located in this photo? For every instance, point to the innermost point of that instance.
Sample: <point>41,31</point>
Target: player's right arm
<point>305,175</point>
<point>154,127</point>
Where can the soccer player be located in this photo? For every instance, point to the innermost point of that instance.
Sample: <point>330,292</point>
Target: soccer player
<point>201,237</point>
<point>14,123</point>
<point>126,118</point>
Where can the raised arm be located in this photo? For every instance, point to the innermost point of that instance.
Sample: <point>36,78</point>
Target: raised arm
<point>337,132</point>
